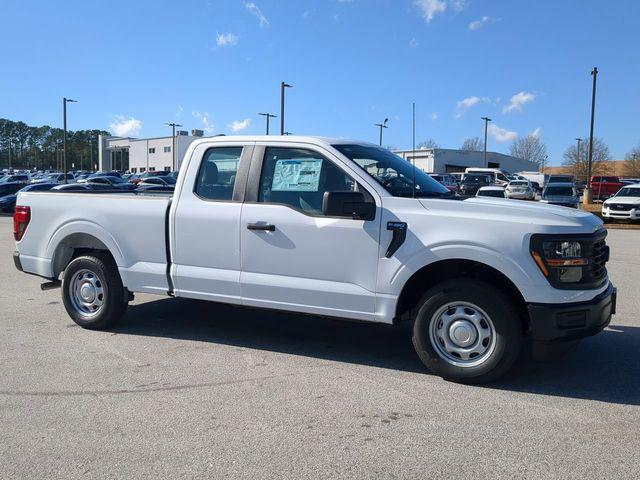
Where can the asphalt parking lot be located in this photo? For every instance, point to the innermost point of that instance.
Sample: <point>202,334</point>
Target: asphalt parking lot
<point>186,389</point>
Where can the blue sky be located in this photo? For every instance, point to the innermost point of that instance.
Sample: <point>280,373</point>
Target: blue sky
<point>214,64</point>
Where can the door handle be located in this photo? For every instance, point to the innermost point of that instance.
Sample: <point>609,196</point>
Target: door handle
<point>261,226</point>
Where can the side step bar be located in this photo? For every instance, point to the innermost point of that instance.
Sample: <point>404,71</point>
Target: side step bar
<point>50,285</point>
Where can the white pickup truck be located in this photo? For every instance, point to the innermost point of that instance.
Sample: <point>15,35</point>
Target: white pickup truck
<point>336,228</point>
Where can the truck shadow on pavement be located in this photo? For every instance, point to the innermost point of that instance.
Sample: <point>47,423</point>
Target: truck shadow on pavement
<point>604,368</point>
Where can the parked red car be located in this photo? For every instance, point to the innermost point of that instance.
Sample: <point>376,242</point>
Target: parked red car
<point>604,186</point>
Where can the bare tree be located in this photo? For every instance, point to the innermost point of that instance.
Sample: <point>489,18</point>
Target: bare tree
<point>579,165</point>
<point>429,143</point>
<point>473,144</point>
<point>632,162</point>
<point>530,148</point>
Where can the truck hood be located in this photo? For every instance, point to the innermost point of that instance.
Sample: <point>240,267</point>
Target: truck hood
<point>516,212</point>
<point>623,200</point>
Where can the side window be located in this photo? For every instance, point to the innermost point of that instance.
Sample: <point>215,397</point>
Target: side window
<point>217,173</point>
<point>299,178</point>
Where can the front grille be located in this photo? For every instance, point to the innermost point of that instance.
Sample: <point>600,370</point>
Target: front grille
<point>620,207</point>
<point>599,257</point>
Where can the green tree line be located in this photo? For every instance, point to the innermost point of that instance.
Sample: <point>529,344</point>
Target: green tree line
<point>26,147</point>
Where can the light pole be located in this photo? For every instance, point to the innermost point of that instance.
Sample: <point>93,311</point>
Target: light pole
<point>382,125</point>
<point>578,154</point>
<point>283,85</point>
<point>64,137</point>
<point>268,115</point>
<point>587,192</point>
<point>486,123</point>
<point>173,142</point>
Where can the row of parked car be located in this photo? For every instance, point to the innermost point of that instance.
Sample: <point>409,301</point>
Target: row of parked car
<point>13,182</point>
<point>621,196</point>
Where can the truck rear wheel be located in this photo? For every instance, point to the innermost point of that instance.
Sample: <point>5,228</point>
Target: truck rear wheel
<point>467,331</point>
<point>92,291</point>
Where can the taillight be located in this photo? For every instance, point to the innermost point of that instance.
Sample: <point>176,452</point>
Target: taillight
<point>21,217</point>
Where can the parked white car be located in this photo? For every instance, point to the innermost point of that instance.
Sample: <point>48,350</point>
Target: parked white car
<point>520,189</point>
<point>494,192</point>
<point>335,228</point>
<point>625,204</point>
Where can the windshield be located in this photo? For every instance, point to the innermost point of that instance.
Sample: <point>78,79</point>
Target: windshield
<point>563,191</point>
<point>629,192</point>
<point>471,178</point>
<point>518,183</point>
<point>491,193</point>
<point>559,179</point>
<point>395,174</point>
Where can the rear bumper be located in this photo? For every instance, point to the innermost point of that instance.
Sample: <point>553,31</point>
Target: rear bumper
<point>571,321</point>
<point>16,261</point>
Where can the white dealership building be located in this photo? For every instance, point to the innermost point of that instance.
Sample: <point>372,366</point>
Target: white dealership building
<point>139,155</point>
<point>445,160</point>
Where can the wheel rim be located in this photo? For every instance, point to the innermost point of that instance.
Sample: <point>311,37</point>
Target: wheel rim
<point>462,334</point>
<point>86,293</point>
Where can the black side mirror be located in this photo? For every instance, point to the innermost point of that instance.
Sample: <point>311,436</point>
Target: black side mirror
<point>348,204</point>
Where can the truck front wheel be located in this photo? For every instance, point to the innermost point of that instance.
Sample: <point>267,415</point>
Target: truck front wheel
<point>467,331</point>
<point>92,291</point>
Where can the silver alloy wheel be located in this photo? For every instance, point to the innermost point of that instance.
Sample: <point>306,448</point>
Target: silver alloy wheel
<point>462,334</point>
<point>86,293</point>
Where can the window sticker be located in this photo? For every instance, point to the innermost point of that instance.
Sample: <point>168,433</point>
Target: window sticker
<point>297,175</point>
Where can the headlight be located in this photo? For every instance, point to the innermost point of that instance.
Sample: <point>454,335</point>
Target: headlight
<point>563,261</point>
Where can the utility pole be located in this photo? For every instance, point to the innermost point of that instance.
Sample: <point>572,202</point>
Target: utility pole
<point>173,126</point>
<point>64,136</point>
<point>382,125</point>
<point>587,192</point>
<point>283,85</point>
<point>268,115</point>
<point>486,123</point>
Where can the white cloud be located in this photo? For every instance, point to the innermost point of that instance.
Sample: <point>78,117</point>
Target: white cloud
<point>430,8</point>
<point>254,10</point>
<point>207,124</point>
<point>179,111</point>
<point>500,134</point>
<point>517,101</point>
<point>125,127</point>
<point>466,103</point>
<point>413,43</point>
<point>434,116</point>
<point>239,125</point>
<point>478,24</point>
<point>536,132</point>
<point>226,39</point>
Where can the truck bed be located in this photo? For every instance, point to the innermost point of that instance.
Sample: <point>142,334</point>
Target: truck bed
<point>130,225</point>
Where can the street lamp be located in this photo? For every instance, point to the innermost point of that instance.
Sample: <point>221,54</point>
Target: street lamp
<point>486,123</point>
<point>268,115</point>
<point>173,142</point>
<point>64,137</point>
<point>587,193</point>
<point>382,125</point>
<point>283,85</point>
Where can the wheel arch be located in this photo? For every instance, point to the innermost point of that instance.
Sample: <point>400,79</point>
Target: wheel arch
<point>437,272</point>
<point>75,244</point>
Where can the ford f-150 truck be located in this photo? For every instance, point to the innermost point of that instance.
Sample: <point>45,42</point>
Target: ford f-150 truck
<point>335,228</point>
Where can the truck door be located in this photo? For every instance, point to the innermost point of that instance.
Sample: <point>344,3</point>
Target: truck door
<point>295,258</point>
<point>206,223</point>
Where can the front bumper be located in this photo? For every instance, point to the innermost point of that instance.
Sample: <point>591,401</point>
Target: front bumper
<point>633,214</point>
<point>571,321</point>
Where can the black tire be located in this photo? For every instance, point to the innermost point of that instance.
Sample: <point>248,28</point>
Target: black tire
<point>103,272</point>
<point>501,351</point>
